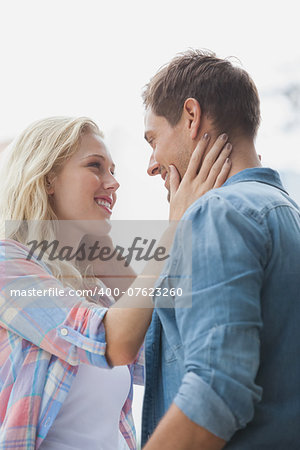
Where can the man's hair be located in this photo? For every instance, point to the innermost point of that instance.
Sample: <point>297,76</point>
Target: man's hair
<point>226,93</point>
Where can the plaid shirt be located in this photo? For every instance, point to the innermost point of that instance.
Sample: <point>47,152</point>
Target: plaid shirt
<point>42,342</point>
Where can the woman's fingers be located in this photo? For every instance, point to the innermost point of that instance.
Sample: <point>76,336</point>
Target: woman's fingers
<point>219,167</point>
<point>196,158</point>
<point>223,175</point>
<point>174,180</point>
<point>202,174</point>
<point>211,157</point>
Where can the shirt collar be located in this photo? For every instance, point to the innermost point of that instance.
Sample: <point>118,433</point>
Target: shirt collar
<point>260,174</point>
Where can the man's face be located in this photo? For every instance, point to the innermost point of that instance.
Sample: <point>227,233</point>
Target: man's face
<point>170,145</point>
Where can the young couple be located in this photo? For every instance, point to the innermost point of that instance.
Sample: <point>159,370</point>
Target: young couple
<point>222,365</point>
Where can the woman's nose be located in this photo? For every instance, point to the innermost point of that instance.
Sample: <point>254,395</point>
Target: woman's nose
<point>111,183</point>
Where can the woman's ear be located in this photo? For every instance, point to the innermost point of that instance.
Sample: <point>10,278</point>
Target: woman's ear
<point>49,183</point>
<point>192,111</point>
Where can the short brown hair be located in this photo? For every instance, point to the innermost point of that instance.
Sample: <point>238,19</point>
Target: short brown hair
<point>226,93</point>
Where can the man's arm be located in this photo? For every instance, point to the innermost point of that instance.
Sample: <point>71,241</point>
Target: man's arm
<point>220,330</point>
<point>177,432</point>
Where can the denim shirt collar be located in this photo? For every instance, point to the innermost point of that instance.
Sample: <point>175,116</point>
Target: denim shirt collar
<point>260,174</point>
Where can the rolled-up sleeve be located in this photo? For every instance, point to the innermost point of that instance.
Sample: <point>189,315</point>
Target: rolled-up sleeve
<point>139,367</point>
<point>64,325</point>
<point>220,332</point>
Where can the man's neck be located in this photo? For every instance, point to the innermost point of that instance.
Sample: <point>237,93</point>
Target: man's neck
<point>243,156</point>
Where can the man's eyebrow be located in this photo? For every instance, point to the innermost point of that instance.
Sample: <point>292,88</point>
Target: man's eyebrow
<point>99,156</point>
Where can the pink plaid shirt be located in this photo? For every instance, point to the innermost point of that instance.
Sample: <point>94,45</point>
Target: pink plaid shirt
<point>42,342</point>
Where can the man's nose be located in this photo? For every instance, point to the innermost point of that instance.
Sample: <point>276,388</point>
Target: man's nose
<point>153,167</point>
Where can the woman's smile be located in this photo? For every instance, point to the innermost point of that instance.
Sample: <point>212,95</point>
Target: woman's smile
<point>105,202</point>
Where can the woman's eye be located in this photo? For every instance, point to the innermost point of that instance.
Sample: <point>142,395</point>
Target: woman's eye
<point>94,164</point>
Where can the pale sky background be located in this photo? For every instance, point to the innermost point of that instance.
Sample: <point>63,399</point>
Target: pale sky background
<point>89,57</point>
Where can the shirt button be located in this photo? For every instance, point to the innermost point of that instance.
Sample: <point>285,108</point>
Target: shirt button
<point>64,332</point>
<point>153,347</point>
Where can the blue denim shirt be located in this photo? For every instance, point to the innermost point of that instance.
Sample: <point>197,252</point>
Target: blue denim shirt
<point>230,360</point>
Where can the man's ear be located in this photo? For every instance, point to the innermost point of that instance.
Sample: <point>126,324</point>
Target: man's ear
<point>192,111</point>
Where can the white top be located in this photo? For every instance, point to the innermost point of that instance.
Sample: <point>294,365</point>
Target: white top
<point>89,417</point>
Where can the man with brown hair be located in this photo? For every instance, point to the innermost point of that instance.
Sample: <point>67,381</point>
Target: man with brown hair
<point>224,371</point>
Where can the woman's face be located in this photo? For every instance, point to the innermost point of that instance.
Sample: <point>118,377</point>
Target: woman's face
<point>85,188</point>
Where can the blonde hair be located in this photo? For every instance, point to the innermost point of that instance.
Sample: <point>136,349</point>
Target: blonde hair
<point>40,151</point>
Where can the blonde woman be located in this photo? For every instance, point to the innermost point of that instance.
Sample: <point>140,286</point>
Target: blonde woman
<point>67,363</point>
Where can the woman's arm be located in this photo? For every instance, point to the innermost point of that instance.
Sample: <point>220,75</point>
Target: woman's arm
<point>126,322</point>
<point>113,273</point>
<point>79,331</point>
<point>38,308</point>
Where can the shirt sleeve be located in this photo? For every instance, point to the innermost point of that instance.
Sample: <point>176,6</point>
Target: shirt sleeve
<point>220,330</point>
<point>64,325</point>
<point>138,367</point>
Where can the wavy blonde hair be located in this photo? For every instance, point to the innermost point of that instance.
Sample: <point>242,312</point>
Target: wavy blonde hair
<point>40,151</point>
